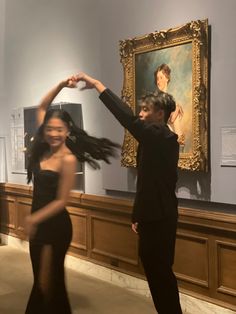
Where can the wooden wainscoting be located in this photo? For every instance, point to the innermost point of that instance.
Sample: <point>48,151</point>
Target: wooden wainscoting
<point>205,259</point>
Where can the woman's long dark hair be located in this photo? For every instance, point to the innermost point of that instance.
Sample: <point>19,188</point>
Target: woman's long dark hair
<point>86,148</point>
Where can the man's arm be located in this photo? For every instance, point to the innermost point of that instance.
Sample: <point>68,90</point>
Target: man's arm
<point>122,112</point>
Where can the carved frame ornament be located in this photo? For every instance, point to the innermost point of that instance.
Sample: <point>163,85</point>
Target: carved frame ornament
<point>185,50</point>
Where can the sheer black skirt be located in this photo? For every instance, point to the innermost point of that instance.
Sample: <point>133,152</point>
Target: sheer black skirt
<point>49,293</point>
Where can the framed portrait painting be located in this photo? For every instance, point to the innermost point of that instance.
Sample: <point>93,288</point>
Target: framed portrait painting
<point>173,61</point>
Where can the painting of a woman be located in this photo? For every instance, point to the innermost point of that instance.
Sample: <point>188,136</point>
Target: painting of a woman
<point>162,77</point>
<point>172,71</point>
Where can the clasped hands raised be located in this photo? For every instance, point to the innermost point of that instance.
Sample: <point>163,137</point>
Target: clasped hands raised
<point>73,80</point>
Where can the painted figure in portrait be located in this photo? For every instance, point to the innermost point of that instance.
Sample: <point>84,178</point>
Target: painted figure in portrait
<point>169,70</point>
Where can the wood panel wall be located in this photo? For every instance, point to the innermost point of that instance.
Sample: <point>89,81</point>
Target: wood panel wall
<point>205,260</point>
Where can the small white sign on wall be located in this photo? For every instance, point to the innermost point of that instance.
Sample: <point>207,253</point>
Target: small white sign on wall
<point>17,141</point>
<point>228,146</point>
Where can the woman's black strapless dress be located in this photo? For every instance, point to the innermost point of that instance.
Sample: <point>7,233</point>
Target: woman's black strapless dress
<point>49,294</point>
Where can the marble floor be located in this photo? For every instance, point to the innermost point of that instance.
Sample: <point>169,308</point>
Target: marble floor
<point>88,295</point>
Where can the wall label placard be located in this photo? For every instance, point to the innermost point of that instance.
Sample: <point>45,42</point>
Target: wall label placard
<point>228,146</point>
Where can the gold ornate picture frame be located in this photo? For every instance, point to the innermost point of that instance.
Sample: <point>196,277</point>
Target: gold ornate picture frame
<point>183,51</point>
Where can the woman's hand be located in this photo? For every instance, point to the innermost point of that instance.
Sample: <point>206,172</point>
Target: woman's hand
<point>178,113</point>
<point>70,82</point>
<point>30,227</point>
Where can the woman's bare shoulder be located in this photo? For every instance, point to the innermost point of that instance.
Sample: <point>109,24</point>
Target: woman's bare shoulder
<point>69,158</point>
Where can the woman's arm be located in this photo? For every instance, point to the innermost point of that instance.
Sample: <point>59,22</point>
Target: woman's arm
<point>51,94</point>
<point>67,178</point>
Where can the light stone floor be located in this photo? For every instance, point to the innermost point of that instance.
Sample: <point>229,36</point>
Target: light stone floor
<point>102,292</point>
<point>87,295</point>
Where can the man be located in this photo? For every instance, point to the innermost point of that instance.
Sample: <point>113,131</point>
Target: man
<point>155,210</point>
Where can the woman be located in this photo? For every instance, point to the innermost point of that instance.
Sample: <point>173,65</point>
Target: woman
<point>52,165</point>
<point>162,79</point>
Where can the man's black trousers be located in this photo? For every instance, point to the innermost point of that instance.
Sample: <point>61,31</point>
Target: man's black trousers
<point>156,250</point>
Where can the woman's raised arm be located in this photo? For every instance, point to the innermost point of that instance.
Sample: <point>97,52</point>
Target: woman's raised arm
<point>50,95</point>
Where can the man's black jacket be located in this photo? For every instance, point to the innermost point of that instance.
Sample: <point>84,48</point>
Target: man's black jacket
<point>157,160</point>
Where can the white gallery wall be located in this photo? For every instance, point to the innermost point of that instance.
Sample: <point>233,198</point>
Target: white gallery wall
<point>2,38</point>
<point>128,19</point>
<point>46,40</point>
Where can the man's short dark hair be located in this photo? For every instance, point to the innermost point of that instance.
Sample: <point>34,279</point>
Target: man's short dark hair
<point>160,100</point>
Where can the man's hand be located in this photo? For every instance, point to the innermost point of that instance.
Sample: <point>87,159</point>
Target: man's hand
<point>134,227</point>
<point>90,82</point>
